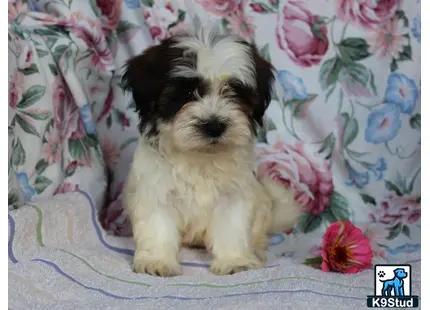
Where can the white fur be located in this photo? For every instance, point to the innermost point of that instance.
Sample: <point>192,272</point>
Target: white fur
<point>206,200</point>
<point>218,56</point>
<point>184,190</point>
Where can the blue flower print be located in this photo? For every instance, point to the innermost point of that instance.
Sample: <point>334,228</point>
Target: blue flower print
<point>416,28</point>
<point>277,239</point>
<point>404,248</point>
<point>293,86</point>
<point>132,4</point>
<point>357,179</point>
<point>26,189</point>
<point>401,91</point>
<point>383,124</point>
<point>33,5</point>
<point>377,168</point>
<point>87,119</point>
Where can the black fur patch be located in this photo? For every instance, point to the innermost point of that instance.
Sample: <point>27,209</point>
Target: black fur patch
<point>177,92</point>
<point>158,96</point>
<point>147,76</point>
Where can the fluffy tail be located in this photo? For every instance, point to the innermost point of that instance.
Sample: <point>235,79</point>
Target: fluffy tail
<point>285,209</point>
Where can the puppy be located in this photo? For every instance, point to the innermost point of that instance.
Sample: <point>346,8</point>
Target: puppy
<point>200,97</point>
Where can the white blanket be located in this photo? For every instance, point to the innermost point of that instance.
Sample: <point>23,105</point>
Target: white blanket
<point>60,258</point>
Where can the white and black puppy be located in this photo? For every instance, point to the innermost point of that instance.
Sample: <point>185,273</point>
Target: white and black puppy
<point>200,97</point>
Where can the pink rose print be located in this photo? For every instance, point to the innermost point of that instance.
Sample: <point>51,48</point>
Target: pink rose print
<point>25,54</point>
<point>301,34</point>
<point>16,88</point>
<point>377,235</point>
<point>61,99</point>
<point>111,11</point>
<point>66,187</point>
<point>51,150</point>
<point>111,153</point>
<point>159,18</point>
<point>220,7</point>
<point>388,39</point>
<point>397,210</point>
<point>309,176</point>
<point>368,14</point>
<point>240,24</point>
<point>91,34</point>
<point>15,8</point>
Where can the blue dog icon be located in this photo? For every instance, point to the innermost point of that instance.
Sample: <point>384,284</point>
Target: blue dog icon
<point>395,283</point>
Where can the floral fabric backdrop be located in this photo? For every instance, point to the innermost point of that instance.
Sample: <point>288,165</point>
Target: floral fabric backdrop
<point>343,130</point>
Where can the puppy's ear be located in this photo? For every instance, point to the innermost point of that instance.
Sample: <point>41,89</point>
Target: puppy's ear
<point>265,78</point>
<point>145,76</point>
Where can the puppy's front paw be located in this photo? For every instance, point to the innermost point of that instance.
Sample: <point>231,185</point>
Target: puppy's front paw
<point>158,268</point>
<point>230,266</point>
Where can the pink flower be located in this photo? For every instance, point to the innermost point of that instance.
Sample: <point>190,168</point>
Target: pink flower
<point>301,34</point>
<point>309,176</point>
<point>66,187</point>
<point>15,8</point>
<point>257,7</point>
<point>111,11</point>
<point>345,249</point>
<point>241,24</point>
<point>92,35</point>
<point>376,235</point>
<point>367,13</point>
<point>397,210</point>
<point>51,150</point>
<point>220,7</point>
<point>159,18</point>
<point>111,153</point>
<point>61,100</point>
<point>388,39</point>
<point>25,54</point>
<point>71,168</point>
<point>78,131</point>
<point>16,88</point>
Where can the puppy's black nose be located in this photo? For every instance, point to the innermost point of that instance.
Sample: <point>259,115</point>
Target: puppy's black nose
<point>214,128</point>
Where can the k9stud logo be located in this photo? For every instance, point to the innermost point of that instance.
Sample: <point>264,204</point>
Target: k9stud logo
<point>393,285</point>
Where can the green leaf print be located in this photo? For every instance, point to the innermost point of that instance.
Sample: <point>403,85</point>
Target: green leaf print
<point>406,231</point>
<point>350,129</point>
<point>42,116</point>
<point>41,166</point>
<point>415,121</point>
<point>31,96</point>
<point>308,222</point>
<point>390,186</point>
<point>41,183</point>
<point>30,70</point>
<point>18,153</point>
<point>339,206</point>
<point>394,231</point>
<point>329,72</point>
<point>27,127</point>
<point>354,49</point>
<point>368,199</point>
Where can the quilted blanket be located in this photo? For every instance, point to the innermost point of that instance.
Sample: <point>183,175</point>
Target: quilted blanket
<point>60,258</point>
<point>343,131</point>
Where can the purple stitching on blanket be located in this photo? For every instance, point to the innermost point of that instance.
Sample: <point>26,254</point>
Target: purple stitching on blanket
<point>10,242</point>
<point>58,269</point>
<point>128,251</point>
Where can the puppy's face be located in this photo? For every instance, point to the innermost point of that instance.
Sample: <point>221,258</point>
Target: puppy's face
<point>205,93</point>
